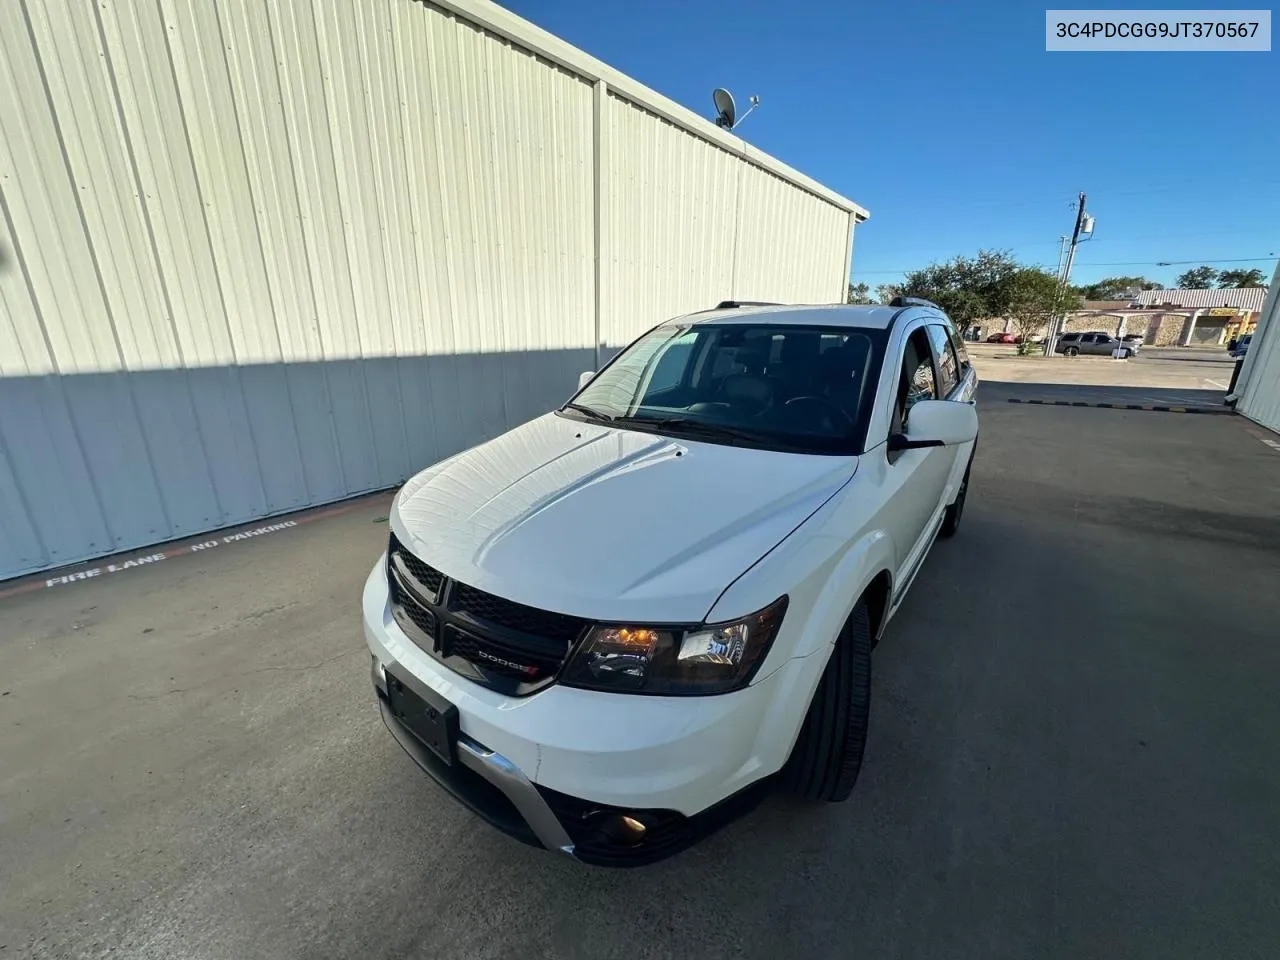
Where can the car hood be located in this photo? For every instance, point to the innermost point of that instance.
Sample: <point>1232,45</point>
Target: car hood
<point>605,523</point>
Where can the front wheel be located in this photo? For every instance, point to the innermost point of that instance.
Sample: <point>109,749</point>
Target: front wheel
<point>952,514</point>
<point>825,761</point>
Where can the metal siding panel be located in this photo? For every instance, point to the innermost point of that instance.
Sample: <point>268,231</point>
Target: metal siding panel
<point>273,434</point>
<point>41,202</point>
<point>23,348</point>
<point>36,420</point>
<point>154,123</point>
<point>20,546</point>
<point>115,449</point>
<point>308,385</point>
<point>1260,399</point>
<point>669,240</point>
<point>227,435</point>
<point>168,422</point>
<point>351,424</point>
<point>97,155</point>
<point>367,231</point>
<point>259,98</point>
<point>196,55</point>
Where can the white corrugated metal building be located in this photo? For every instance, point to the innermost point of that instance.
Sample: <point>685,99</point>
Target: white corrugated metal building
<point>1257,390</point>
<point>261,255</point>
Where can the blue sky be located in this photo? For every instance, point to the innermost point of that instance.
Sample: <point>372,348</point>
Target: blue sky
<point>957,130</point>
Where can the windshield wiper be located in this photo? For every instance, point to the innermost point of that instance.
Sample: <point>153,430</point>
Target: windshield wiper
<point>589,413</point>
<point>691,425</point>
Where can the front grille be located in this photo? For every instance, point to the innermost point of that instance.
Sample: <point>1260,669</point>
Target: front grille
<point>515,616</point>
<point>428,578</point>
<point>516,662</point>
<point>422,618</point>
<point>507,646</point>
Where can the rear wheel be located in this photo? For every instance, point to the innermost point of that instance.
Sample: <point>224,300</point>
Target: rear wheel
<point>1072,351</point>
<point>825,761</point>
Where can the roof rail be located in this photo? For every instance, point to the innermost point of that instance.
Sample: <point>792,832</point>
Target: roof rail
<point>913,302</point>
<point>731,304</point>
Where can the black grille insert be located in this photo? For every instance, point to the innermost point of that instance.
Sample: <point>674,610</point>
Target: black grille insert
<point>427,578</point>
<point>507,646</point>
<point>514,616</point>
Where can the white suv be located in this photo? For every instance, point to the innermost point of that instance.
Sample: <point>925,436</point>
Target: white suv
<point>609,629</point>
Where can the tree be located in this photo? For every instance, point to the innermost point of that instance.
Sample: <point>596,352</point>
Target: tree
<point>859,293</point>
<point>1116,288</point>
<point>1199,278</point>
<point>1241,278</point>
<point>1034,299</point>
<point>887,291</point>
<point>967,289</point>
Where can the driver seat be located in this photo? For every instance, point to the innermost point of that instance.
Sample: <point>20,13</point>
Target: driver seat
<point>748,390</point>
<point>843,374</point>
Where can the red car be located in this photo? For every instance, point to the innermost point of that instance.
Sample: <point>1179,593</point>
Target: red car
<point>1003,338</point>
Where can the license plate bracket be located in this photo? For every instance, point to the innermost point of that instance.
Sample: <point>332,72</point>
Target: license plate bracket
<point>427,715</point>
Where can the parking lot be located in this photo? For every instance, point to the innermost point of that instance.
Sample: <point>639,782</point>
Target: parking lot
<point>1072,754</point>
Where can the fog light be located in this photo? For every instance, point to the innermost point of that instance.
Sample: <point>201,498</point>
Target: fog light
<point>623,830</point>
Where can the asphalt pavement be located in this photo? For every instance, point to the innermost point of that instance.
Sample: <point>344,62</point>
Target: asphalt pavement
<point>1072,753</point>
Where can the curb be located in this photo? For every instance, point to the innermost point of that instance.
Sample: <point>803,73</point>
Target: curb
<point>1209,411</point>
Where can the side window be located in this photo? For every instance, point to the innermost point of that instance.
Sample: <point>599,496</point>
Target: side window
<point>958,346</point>
<point>915,379</point>
<point>948,366</point>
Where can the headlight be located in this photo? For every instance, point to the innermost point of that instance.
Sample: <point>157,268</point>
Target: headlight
<point>675,661</point>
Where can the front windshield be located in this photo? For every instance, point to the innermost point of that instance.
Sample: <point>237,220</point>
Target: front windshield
<point>781,386</point>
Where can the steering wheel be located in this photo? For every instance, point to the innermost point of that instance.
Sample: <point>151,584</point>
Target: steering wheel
<point>816,407</point>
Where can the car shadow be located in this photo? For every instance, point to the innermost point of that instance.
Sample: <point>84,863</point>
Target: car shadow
<point>999,390</point>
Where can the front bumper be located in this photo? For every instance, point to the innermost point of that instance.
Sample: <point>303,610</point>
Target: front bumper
<point>551,769</point>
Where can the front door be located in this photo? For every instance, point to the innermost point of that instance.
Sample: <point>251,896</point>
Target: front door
<point>915,478</point>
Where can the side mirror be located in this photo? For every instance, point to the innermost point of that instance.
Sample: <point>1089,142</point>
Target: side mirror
<point>585,377</point>
<point>937,423</point>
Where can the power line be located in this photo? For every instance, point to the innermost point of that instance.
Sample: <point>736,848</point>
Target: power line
<point>1112,263</point>
<point>1178,263</point>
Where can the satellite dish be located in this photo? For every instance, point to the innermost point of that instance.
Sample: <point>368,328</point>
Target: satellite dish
<point>727,112</point>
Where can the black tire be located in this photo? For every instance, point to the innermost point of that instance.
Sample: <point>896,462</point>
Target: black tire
<point>1072,351</point>
<point>1125,354</point>
<point>952,515</point>
<point>825,761</point>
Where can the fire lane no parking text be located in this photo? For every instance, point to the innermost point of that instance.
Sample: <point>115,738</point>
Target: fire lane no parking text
<point>80,574</point>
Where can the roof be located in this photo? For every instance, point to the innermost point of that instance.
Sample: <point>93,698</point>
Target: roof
<point>495,19</point>
<point>1241,298</point>
<point>874,316</point>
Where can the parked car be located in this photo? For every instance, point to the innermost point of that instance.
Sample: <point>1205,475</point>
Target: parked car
<point>1096,344</point>
<point>1002,338</point>
<point>1241,347</point>
<point>1134,339</point>
<point>608,629</point>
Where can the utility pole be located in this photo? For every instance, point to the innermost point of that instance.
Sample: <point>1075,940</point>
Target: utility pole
<point>1065,278</point>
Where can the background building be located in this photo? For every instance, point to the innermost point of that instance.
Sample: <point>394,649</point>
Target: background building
<point>1175,317</point>
<point>258,256</point>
